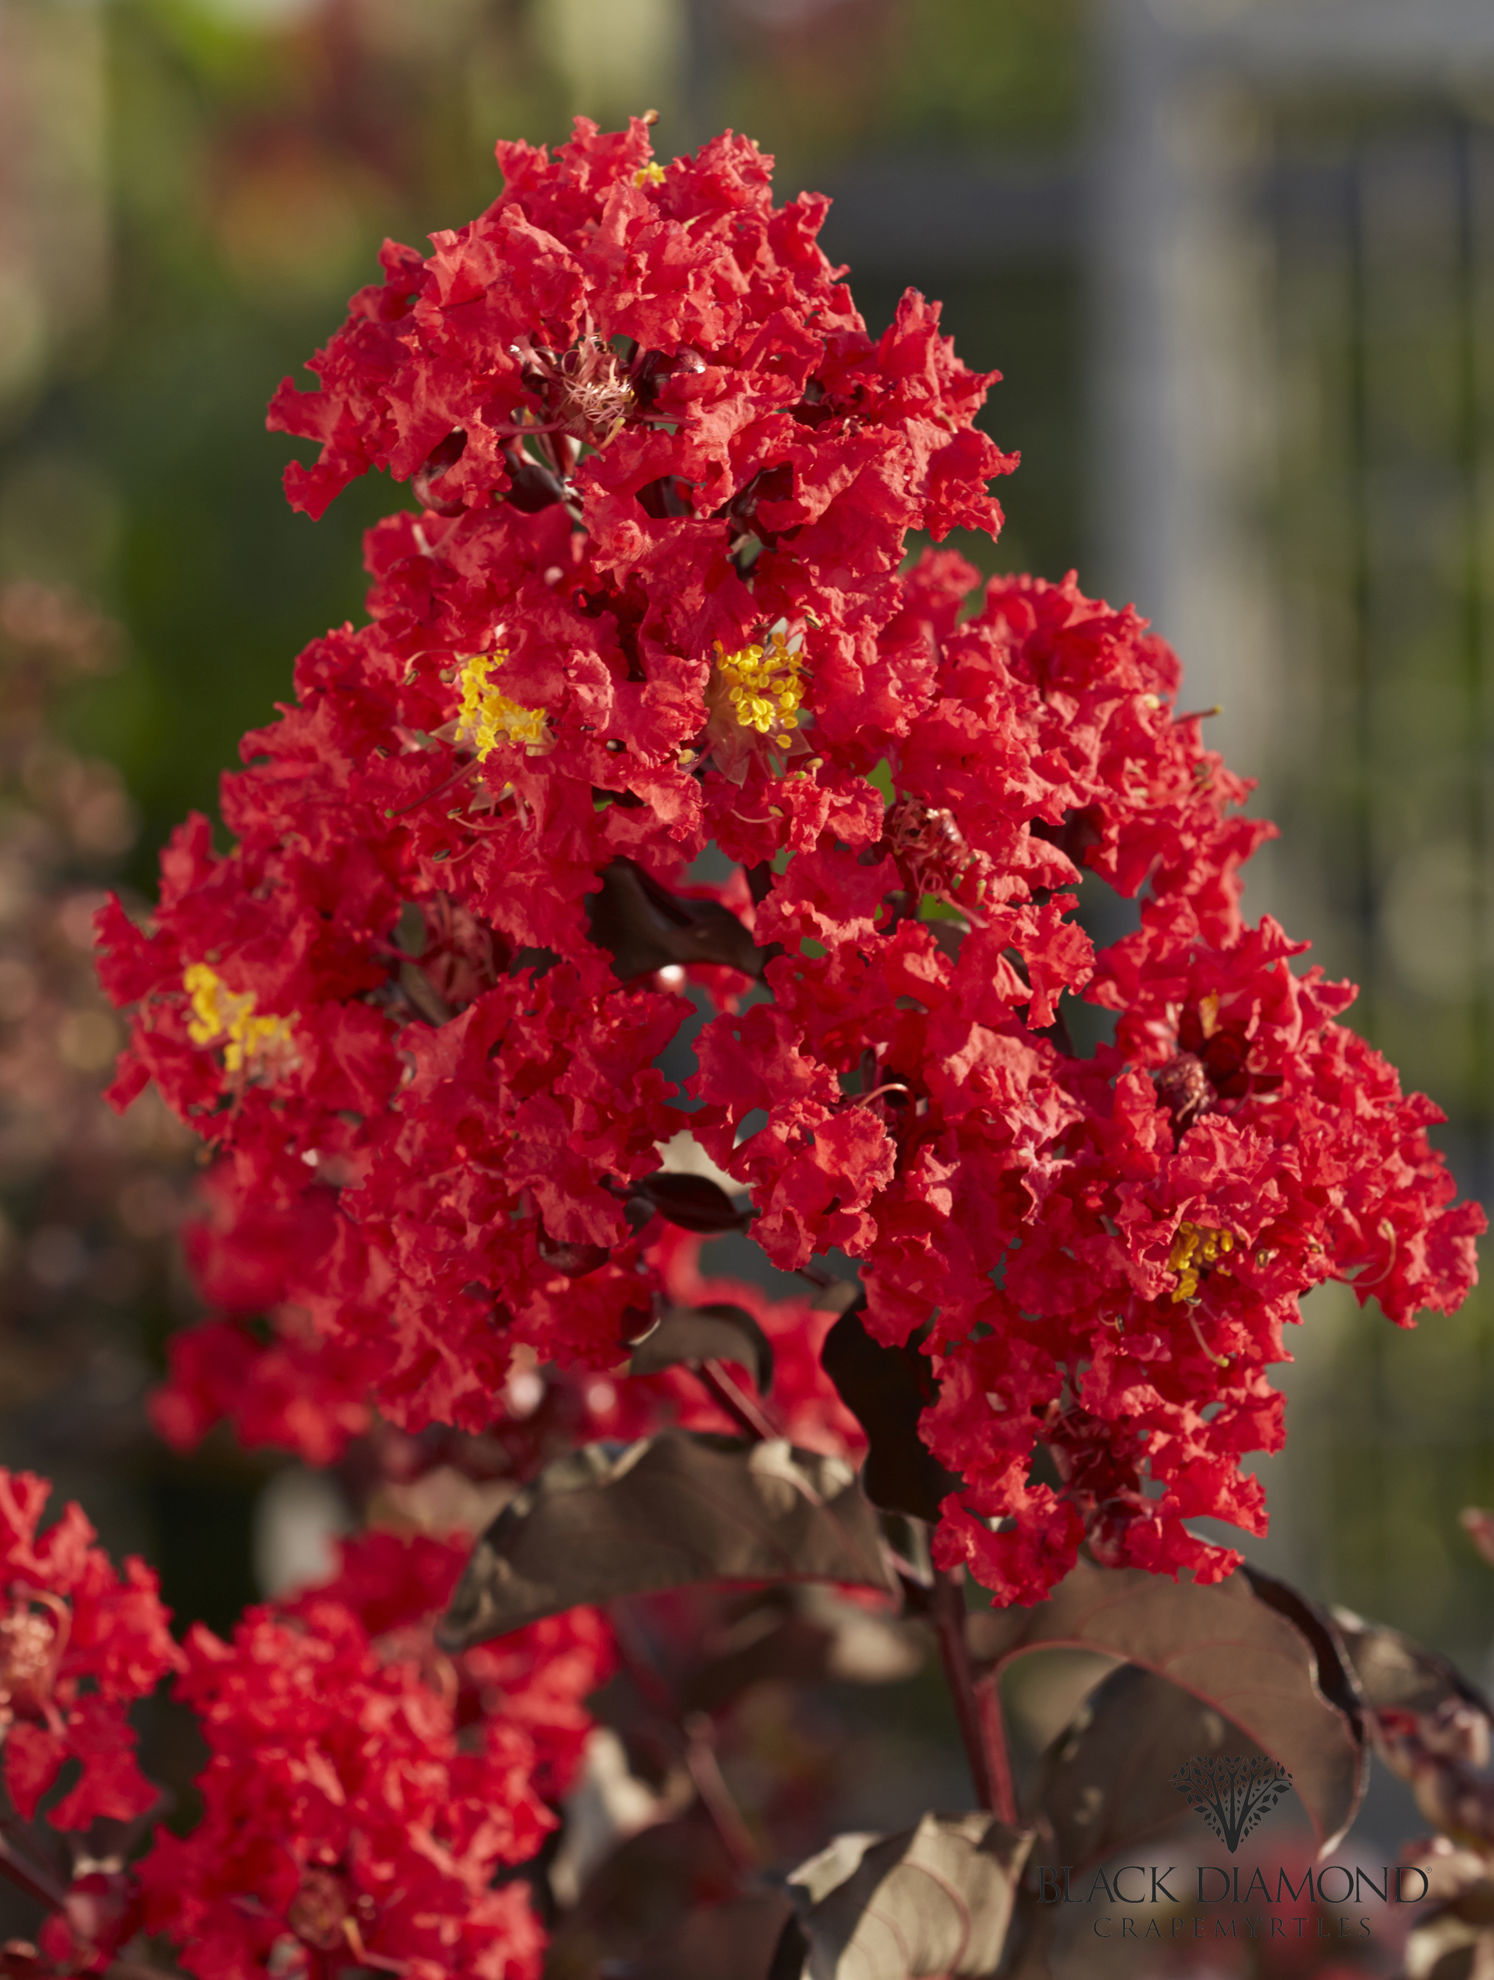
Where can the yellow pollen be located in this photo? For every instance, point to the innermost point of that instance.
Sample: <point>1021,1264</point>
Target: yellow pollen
<point>1196,1250</point>
<point>764,687</point>
<point>487,718</point>
<point>649,175</point>
<point>219,1013</point>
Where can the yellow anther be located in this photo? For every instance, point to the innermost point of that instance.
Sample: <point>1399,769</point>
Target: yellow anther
<point>487,718</point>
<point>649,175</point>
<point>1196,1250</point>
<point>223,1015</point>
<point>763,686</point>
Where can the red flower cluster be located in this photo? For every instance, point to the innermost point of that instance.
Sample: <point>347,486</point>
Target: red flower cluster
<point>363,1789</point>
<point>650,604</point>
<point>79,1644</point>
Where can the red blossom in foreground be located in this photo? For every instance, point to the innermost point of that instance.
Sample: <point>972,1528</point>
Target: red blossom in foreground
<point>364,1791</point>
<point>80,1642</point>
<point>649,605</point>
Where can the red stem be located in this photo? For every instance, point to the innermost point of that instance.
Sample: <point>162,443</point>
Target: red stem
<point>30,1877</point>
<point>977,1708</point>
<point>993,1739</point>
<point>715,1796</point>
<point>697,1737</point>
<point>741,1407</point>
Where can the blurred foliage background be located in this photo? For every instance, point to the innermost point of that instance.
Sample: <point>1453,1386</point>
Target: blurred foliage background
<point>1287,461</point>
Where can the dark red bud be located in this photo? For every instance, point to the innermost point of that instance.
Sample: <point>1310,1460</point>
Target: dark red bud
<point>695,1203</point>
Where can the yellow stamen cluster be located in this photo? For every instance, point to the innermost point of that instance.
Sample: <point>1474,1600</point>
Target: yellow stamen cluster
<point>649,175</point>
<point>219,1013</point>
<point>763,686</point>
<point>487,718</point>
<point>1195,1251</point>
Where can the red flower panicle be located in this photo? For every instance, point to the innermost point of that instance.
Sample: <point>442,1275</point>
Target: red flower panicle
<point>649,602</point>
<point>364,1791</point>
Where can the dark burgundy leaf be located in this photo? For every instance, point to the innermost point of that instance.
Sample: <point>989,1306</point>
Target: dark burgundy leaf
<point>1223,1644</point>
<point>694,1334</point>
<point>1106,1782</point>
<point>1337,1679</point>
<point>887,1389</point>
<point>934,1900</point>
<point>805,1635</point>
<point>645,926</point>
<point>695,1203</point>
<point>664,1512</point>
<point>637,1895</point>
<point>731,1941</point>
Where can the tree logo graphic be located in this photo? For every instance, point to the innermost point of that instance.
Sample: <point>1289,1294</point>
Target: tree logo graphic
<point>1232,1791</point>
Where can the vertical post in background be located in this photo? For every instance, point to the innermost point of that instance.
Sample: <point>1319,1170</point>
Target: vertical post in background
<point>1133,210</point>
<point>1181,405</point>
<point>1313,538</point>
<point>1182,416</point>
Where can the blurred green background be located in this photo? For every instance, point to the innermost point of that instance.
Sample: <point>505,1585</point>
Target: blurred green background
<point>1240,281</point>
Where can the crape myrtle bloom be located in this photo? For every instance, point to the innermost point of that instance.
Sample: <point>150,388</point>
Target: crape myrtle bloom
<point>650,604</point>
<point>80,1643</point>
<point>364,1791</point>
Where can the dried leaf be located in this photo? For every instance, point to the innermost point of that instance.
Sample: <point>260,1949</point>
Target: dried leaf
<point>887,1389</point>
<point>1396,1672</point>
<point>934,1900</point>
<point>695,1334</point>
<point>695,1203</point>
<point>646,927</point>
<point>662,1513</point>
<point>1227,1647</point>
